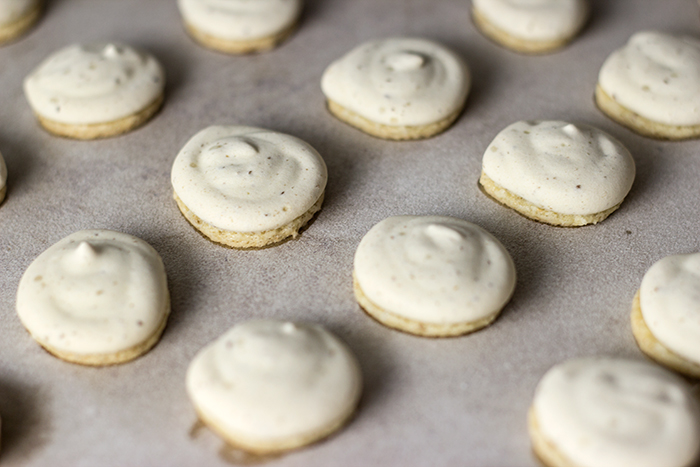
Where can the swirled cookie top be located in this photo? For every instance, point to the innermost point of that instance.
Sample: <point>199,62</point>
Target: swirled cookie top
<point>240,19</point>
<point>657,76</point>
<point>560,167</point>
<point>271,380</point>
<point>535,20</point>
<point>94,292</point>
<point>434,269</point>
<point>245,179</point>
<point>399,81</point>
<point>12,10</point>
<point>612,412</point>
<point>670,302</point>
<point>94,83</point>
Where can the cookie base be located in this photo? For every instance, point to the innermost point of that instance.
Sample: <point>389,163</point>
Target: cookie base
<point>639,124</point>
<point>3,191</point>
<point>11,31</point>
<point>544,449</point>
<point>654,349</point>
<point>398,132</point>
<point>238,47</point>
<point>418,328</point>
<point>243,240</point>
<point>533,212</point>
<point>517,44</point>
<point>115,358</point>
<point>101,130</point>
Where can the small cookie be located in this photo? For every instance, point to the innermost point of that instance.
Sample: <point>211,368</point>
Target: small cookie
<point>666,313</point>
<point>95,90</point>
<point>97,297</point>
<point>652,85</point>
<point>248,187</point>
<point>557,172</point>
<point>270,386</point>
<point>530,27</point>
<point>3,179</point>
<point>240,26</point>
<point>16,17</point>
<point>432,276</point>
<point>593,412</point>
<point>398,88</point>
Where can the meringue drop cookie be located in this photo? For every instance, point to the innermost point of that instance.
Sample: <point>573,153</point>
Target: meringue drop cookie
<point>97,297</point>
<point>652,85</point>
<point>606,412</point>
<point>3,179</point>
<point>248,187</point>
<point>432,276</point>
<point>557,172</point>
<point>17,16</point>
<point>666,313</point>
<point>269,386</point>
<point>95,90</point>
<point>530,26</point>
<point>398,88</point>
<point>240,26</point>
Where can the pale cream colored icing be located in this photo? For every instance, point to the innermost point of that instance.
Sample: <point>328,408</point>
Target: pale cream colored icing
<point>670,302</point>
<point>12,10</point>
<point>560,167</point>
<point>535,20</point>
<point>399,81</point>
<point>94,83</point>
<point>3,173</point>
<point>94,292</point>
<point>267,381</point>
<point>240,19</point>
<point>657,76</point>
<point>605,412</point>
<point>245,179</point>
<point>434,269</point>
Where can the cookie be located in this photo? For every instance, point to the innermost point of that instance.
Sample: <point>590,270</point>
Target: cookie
<point>530,27</point>
<point>3,179</point>
<point>270,386</point>
<point>592,412</point>
<point>96,298</point>
<point>557,173</point>
<point>666,313</point>
<point>16,17</point>
<point>95,90</point>
<point>397,88</point>
<point>248,187</point>
<point>652,85</point>
<point>432,276</point>
<point>240,26</point>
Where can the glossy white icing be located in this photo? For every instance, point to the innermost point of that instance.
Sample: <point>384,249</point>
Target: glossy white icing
<point>657,76</point>
<point>605,412</point>
<point>434,269</point>
<point>94,83</point>
<point>245,179</point>
<point>670,302</point>
<point>560,167</point>
<point>94,292</point>
<point>399,81</point>
<point>265,382</point>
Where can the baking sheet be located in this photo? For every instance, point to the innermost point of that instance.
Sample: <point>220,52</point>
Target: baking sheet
<point>426,402</point>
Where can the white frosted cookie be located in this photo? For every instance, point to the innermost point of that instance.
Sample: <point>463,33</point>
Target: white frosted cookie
<point>432,276</point>
<point>652,85</point>
<point>95,90</point>
<point>606,412</point>
<point>17,16</point>
<point>557,172</point>
<point>248,187</point>
<point>397,88</point>
<point>240,26</point>
<point>530,26</point>
<point>269,386</point>
<point>97,297</point>
<point>3,179</point>
<point>666,313</point>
